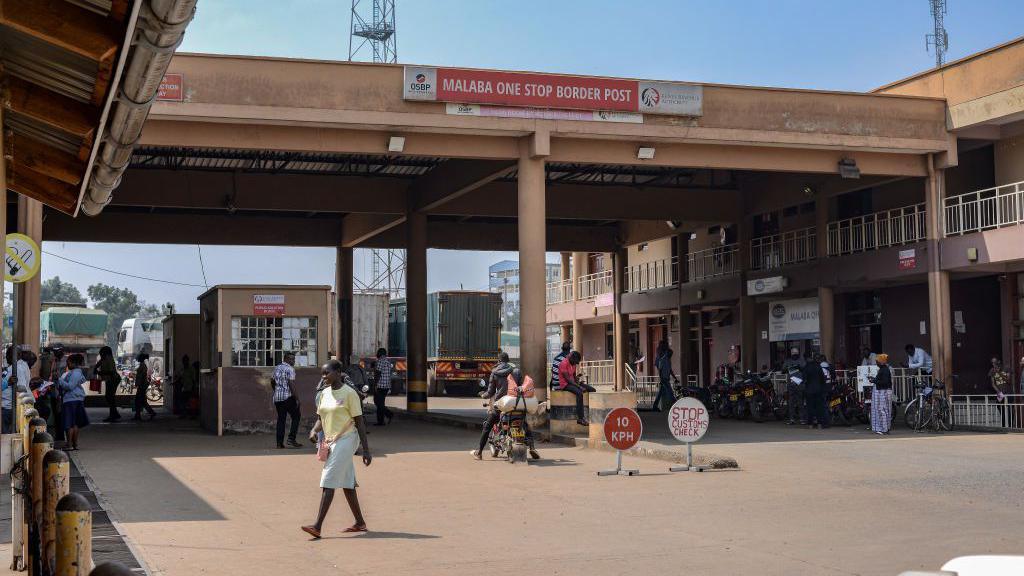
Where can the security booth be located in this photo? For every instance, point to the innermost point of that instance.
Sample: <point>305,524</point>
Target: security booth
<point>181,338</point>
<point>244,332</point>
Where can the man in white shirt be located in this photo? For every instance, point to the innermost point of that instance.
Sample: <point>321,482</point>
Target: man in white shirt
<point>918,359</point>
<point>868,357</point>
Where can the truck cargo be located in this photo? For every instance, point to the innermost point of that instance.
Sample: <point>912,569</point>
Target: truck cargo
<point>75,329</point>
<point>369,324</point>
<point>463,339</point>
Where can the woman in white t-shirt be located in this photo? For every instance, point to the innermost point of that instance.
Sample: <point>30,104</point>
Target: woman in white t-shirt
<point>340,422</point>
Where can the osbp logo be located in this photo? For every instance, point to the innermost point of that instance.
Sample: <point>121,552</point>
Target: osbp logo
<point>421,78</point>
<point>778,311</point>
<point>650,97</point>
<point>421,84</point>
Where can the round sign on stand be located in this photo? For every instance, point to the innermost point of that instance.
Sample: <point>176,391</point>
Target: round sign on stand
<point>622,430</point>
<point>688,421</point>
<point>21,258</point>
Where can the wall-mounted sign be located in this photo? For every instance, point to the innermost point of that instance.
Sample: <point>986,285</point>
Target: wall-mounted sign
<point>793,320</point>
<point>22,258</point>
<point>551,91</point>
<point>268,304</point>
<point>770,285</point>
<point>171,88</point>
<point>543,113</point>
<point>908,259</point>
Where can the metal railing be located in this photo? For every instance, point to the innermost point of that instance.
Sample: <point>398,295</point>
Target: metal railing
<point>783,249</point>
<point>903,380</point>
<point>879,230</point>
<point>651,275</point>
<point>593,285</point>
<point>713,262</point>
<point>598,372</point>
<point>559,291</point>
<point>987,411</point>
<point>985,209</point>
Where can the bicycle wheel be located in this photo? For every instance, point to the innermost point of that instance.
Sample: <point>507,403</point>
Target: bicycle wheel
<point>913,415</point>
<point>943,415</point>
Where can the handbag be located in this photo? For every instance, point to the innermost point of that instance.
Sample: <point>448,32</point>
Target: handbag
<point>323,450</point>
<point>95,385</point>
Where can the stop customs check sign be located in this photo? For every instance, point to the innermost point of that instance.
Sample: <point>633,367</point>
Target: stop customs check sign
<point>688,420</point>
<point>622,428</point>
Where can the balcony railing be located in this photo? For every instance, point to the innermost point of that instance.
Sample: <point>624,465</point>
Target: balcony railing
<point>559,291</point>
<point>651,275</point>
<point>593,285</point>
<point>713,262</point>
<point>598,372</point>
<point>879,230</point>
<point>783,249</point>
<point>985,209</point>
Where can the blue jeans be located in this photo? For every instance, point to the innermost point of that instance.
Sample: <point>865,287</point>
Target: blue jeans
<point>664,390</point>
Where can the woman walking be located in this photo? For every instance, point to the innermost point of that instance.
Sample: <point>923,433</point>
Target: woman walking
<point>339,427</point>
<point>73,413</point>
<point>141,387</point>
<point>881,397</point>
<point>106,369</point>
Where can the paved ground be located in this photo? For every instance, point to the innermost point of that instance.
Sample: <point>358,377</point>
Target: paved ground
<point>802,504</point>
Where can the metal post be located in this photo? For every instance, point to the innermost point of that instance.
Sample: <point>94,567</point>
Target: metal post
<point>74,536</point>
<point>56,474</point>
<point>618,468</point>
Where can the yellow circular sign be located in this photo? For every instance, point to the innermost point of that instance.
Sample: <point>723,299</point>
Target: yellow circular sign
<point>21,262</point>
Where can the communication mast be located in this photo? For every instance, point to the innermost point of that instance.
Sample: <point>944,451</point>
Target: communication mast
<point>938,38</point>
<point>372,29</point>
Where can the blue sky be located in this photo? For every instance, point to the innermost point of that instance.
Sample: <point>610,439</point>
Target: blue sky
<point>818,44</point>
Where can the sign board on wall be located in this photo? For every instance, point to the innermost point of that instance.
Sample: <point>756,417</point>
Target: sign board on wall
<point>908,259</point>
<point>268,304</point>
<point>171,88</point>
<point>766,285</point>
<point>551,91</point>
<point>793,320</point>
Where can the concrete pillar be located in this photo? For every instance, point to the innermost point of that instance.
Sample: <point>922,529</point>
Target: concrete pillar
<point>620,321</point>
<point>939,321</point>
<point>26,325</point>
<point>686,361</point>
<point>565,276</point>
<point>748,322</point>
<point>532,245</point>
<point>416,303</point>
<point>827,322</point>
<point>579,261</point>
<point>343,286</point>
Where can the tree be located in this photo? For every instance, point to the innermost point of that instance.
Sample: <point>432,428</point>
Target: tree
<point>53,290</point>
<point>120,304</point>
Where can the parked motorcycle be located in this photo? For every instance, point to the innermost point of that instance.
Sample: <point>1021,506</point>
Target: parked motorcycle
<point>844,405</point>
<point>727,398</point>
<point>705,395</point>
<point>763,403</point>
<point>741,393</point>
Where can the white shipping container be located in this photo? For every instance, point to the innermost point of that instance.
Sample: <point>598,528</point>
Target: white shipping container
<point>369,324</point>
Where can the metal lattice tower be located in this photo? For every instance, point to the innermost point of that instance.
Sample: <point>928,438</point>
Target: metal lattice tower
<point>378,33</point>
<point>938,38</point>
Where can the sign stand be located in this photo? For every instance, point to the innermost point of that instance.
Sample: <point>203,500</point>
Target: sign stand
<point>688,420</point>
<point>689,462</point>
<point>618,468</point>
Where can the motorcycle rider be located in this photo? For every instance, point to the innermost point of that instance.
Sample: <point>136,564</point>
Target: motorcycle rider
<point>793,367</point>
<point>500,389</point>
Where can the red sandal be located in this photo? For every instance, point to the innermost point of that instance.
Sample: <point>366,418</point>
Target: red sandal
<point>355,528</point>
<point>312,531</point>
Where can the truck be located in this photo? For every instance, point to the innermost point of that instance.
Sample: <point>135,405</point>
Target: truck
<point>369,324</point>
<point>142,335</point>
<point>75,329</point>
<point>463,340</point>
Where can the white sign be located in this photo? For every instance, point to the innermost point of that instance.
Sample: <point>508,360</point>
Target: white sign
<point>793,320</point>
<point>766,285</point>
<point>688,420</point>
<point>21,261</point>
<point>863,373</point>
<point>543,113</point>
<point>671,98</point>
<point>420,83</point>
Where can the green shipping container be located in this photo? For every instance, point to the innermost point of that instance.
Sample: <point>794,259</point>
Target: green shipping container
<point>397,327</point>
<point>463,325</point>
<point>73,320</point>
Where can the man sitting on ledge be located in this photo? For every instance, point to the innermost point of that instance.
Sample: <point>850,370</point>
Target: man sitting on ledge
<point>568,381</point>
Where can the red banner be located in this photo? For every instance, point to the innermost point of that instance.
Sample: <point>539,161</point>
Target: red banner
<point>537,90</point>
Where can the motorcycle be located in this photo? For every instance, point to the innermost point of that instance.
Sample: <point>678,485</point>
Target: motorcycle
<point>508,435</point>
<point>846,407</point>
<point>764,401</point>
<point>705,395</point>
<point>726,398</point>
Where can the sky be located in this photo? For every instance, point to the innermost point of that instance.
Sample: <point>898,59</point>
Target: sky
<point>816,44</point>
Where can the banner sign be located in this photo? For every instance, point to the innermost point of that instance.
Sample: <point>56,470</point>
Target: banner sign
<point>268,304</point>
<point>793,320</point>
<point>533,90</point>
<point>908,259</point>
<point>766,285</point>
<point>543,113</point>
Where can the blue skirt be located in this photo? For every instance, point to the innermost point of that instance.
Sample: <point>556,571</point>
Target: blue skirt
<point>74,415</point>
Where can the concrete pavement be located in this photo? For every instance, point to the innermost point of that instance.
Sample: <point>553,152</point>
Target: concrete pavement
<point>193,503</point>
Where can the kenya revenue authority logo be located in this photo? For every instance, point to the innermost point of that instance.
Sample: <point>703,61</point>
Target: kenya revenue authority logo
<point>421,78</point>
<point>778,311</point>
<point>650,97</point>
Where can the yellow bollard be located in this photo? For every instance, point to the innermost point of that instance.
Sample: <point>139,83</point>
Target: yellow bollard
<point>56,474</point>
<point>42,443</point>
<point>110,569</point>
<point>36,426</point>
<point>26,428</point>
<point>74,536</point>
<point>19,482</point>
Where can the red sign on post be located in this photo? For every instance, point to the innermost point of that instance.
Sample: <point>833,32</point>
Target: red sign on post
<point>171,88</point>
<point>623,428</point>
<point>908,259</point>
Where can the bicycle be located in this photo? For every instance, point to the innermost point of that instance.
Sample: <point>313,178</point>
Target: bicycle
<point>930,409</point>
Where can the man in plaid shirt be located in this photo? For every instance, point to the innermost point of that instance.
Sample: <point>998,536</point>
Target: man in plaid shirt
<point>382,375</point>
<point>285,401</point>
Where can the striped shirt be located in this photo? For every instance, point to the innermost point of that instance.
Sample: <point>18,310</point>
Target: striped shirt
<point>283,375</point>
<point>384,374</point>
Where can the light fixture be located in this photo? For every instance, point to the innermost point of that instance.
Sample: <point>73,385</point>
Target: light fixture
<point>972,254</point>
<point>645,153</point>
<point>808,191</point>
<point>848,168</point>
<point>396,144</point>
<point>673,224</point>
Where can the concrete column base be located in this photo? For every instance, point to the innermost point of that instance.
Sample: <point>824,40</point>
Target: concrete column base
<point>601,403</point>
<point>563,413</point>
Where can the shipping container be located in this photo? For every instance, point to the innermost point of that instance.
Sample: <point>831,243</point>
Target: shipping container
<point>397,327</point>
<point>369,324</point>
<point>463,340</point>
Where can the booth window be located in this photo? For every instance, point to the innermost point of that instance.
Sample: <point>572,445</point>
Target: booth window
<point>263,340</point>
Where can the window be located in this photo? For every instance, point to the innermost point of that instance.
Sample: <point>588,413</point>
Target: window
<point>263,340</point>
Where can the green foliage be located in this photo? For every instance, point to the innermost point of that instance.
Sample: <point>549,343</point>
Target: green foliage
<point>119,304</point>
<point>54,290</point>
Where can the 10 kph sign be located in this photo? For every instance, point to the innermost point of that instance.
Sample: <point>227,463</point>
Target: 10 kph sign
<point>622,430</point>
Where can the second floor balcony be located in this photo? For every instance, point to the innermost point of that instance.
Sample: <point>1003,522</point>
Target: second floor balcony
<point>585,288</point>
<point>716,262</point>
<point>984,209</point>
<point>894,227</point>
<point>783,249</point>
<point>651,275</point>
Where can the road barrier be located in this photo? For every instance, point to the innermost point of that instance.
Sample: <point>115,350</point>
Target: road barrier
<point>110,569</point>
<point>988,411</point>
<point>56,484</point>
<point>74,536</point>
<point>562,408</point>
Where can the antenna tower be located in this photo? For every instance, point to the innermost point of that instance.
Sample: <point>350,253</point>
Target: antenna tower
<point>938,38</point>
<point>372,30</point>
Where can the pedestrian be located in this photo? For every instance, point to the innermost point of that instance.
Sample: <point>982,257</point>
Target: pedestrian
<point>881,396</point>
<point>999,380</point>
<point>815,395</point>
<point>794,370</point>
<point>285,401</point>
<point>178,405</point>
<point>665,397</point>
<point>382,387</point>
<point>189,385</point>
<point>568,381</point>
<point>9,383</point>
<point>106,369</point>
<point>73,413</point>
<point>557,361</point>
<point>918,359</point>
<point>867,357</point>
<point>141,387</point>
<point>55,368</point>
<point>338,428</point>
